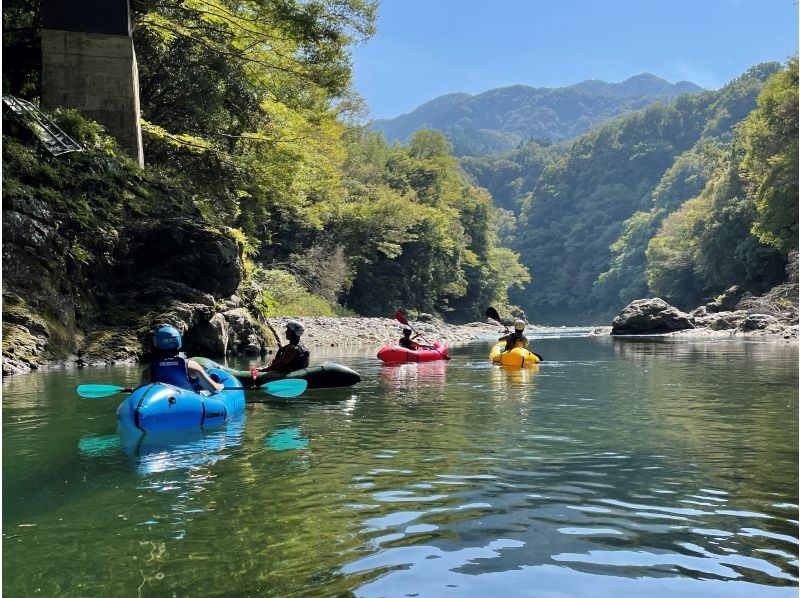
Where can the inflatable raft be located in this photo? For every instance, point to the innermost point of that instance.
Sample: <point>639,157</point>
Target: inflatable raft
<point>160,407</point>
<point>517,357</point>
<point>398,354</point>
<point>327,375</point>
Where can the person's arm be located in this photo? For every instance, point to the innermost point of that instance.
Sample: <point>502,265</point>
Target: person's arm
<point>147,378</point>
<point>193,366</point>
<point>288,354</point>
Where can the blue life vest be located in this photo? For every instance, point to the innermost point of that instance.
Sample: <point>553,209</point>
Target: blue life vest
<point>172,370</point>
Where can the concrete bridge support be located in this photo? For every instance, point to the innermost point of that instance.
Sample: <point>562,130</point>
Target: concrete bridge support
<point>88,63</point>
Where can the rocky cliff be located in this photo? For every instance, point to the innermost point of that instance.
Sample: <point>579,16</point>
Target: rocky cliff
<point>96,253</point>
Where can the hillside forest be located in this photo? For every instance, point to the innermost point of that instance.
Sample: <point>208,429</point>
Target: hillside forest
<point>254,136</point>
<point>680,201</point>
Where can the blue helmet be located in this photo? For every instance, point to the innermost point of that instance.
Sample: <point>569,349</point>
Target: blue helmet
<point>167,338</point>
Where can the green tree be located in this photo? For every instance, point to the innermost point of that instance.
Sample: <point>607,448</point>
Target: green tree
<point>770,165</point>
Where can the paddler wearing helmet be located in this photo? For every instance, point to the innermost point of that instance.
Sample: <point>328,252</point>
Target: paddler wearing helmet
<point>291,356</point>
<point>516,338</point>
<point>170,367</point>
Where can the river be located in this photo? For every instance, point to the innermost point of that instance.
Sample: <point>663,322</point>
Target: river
<point>639,467</point>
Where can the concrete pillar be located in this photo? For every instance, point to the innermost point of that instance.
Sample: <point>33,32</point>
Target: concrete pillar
<point>95,73</point>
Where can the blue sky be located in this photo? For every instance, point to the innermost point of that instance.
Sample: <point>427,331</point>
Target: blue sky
<point>426,48</point>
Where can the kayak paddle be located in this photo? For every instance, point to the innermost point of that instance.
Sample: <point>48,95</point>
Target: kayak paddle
<point>398,315</point>
<point>278,388</point>
<point>285,388</point>
<point>100,391</point>
<point>492,314</point>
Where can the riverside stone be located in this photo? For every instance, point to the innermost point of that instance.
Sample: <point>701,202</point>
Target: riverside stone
<point>757,322</point>
<point>650,316</point>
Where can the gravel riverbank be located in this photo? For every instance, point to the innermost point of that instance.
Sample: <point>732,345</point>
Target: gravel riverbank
<point>346,331</point>
<point>375,332</point>
<point>353,331</point>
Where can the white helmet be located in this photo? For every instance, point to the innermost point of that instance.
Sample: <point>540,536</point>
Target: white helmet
<point>519,325</point>
<point>295,327</point>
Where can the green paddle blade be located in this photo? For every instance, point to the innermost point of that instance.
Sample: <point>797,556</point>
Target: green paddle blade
<point>98,391</point>
<point>285,388</point>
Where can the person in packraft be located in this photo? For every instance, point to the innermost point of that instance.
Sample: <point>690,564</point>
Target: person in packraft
<point>515,339</point>
<point>170,367</point>
<point>291,356</point>
<point>407,341</point>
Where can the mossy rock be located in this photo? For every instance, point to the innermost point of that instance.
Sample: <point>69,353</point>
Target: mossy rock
<point>111,345</point>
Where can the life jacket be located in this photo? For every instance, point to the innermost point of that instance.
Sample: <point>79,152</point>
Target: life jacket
<point>300,360</point>
<point>407,343</point>
<point>172,370</point>
<point>522,341</point>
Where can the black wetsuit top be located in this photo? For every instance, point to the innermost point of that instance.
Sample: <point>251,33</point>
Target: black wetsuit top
<point>407,343</point>
<point>300,360</point>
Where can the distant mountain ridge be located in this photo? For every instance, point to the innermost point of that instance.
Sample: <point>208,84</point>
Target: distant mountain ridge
<point>500,119</point>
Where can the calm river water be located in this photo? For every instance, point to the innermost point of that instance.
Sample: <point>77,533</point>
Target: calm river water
<point>619,467</point>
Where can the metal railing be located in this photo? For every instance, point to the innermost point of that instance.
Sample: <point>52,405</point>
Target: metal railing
<point>55,140</point>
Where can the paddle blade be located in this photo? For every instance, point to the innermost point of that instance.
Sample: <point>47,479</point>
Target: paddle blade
<point>98,391</point>
<point>400,318</point>
<point>492,314</point>
<point>285,388</point>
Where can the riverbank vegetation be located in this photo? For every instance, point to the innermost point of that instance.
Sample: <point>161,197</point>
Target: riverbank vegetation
<point>251,131</point>
<point>247,106</point>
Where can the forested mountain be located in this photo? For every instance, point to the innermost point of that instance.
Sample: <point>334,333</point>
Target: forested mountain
<point>511,176</point>
<point>500,119</point>
<point>586,228</point>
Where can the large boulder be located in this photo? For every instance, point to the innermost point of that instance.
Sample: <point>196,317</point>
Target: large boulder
<point>757,322</point>
<point>650,316</point>
<point>722,320</point>
<point>727,301</point>
<point>209,338</point>
<point>244,335</point>
<point>180,250</point>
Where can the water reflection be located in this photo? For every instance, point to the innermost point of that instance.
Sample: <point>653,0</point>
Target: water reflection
<point>514,383</point>
<point>408,376</point>
<point>286,439</point>
<point>180,449</point>
<point>99,446</point>
<point>663,349</point>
